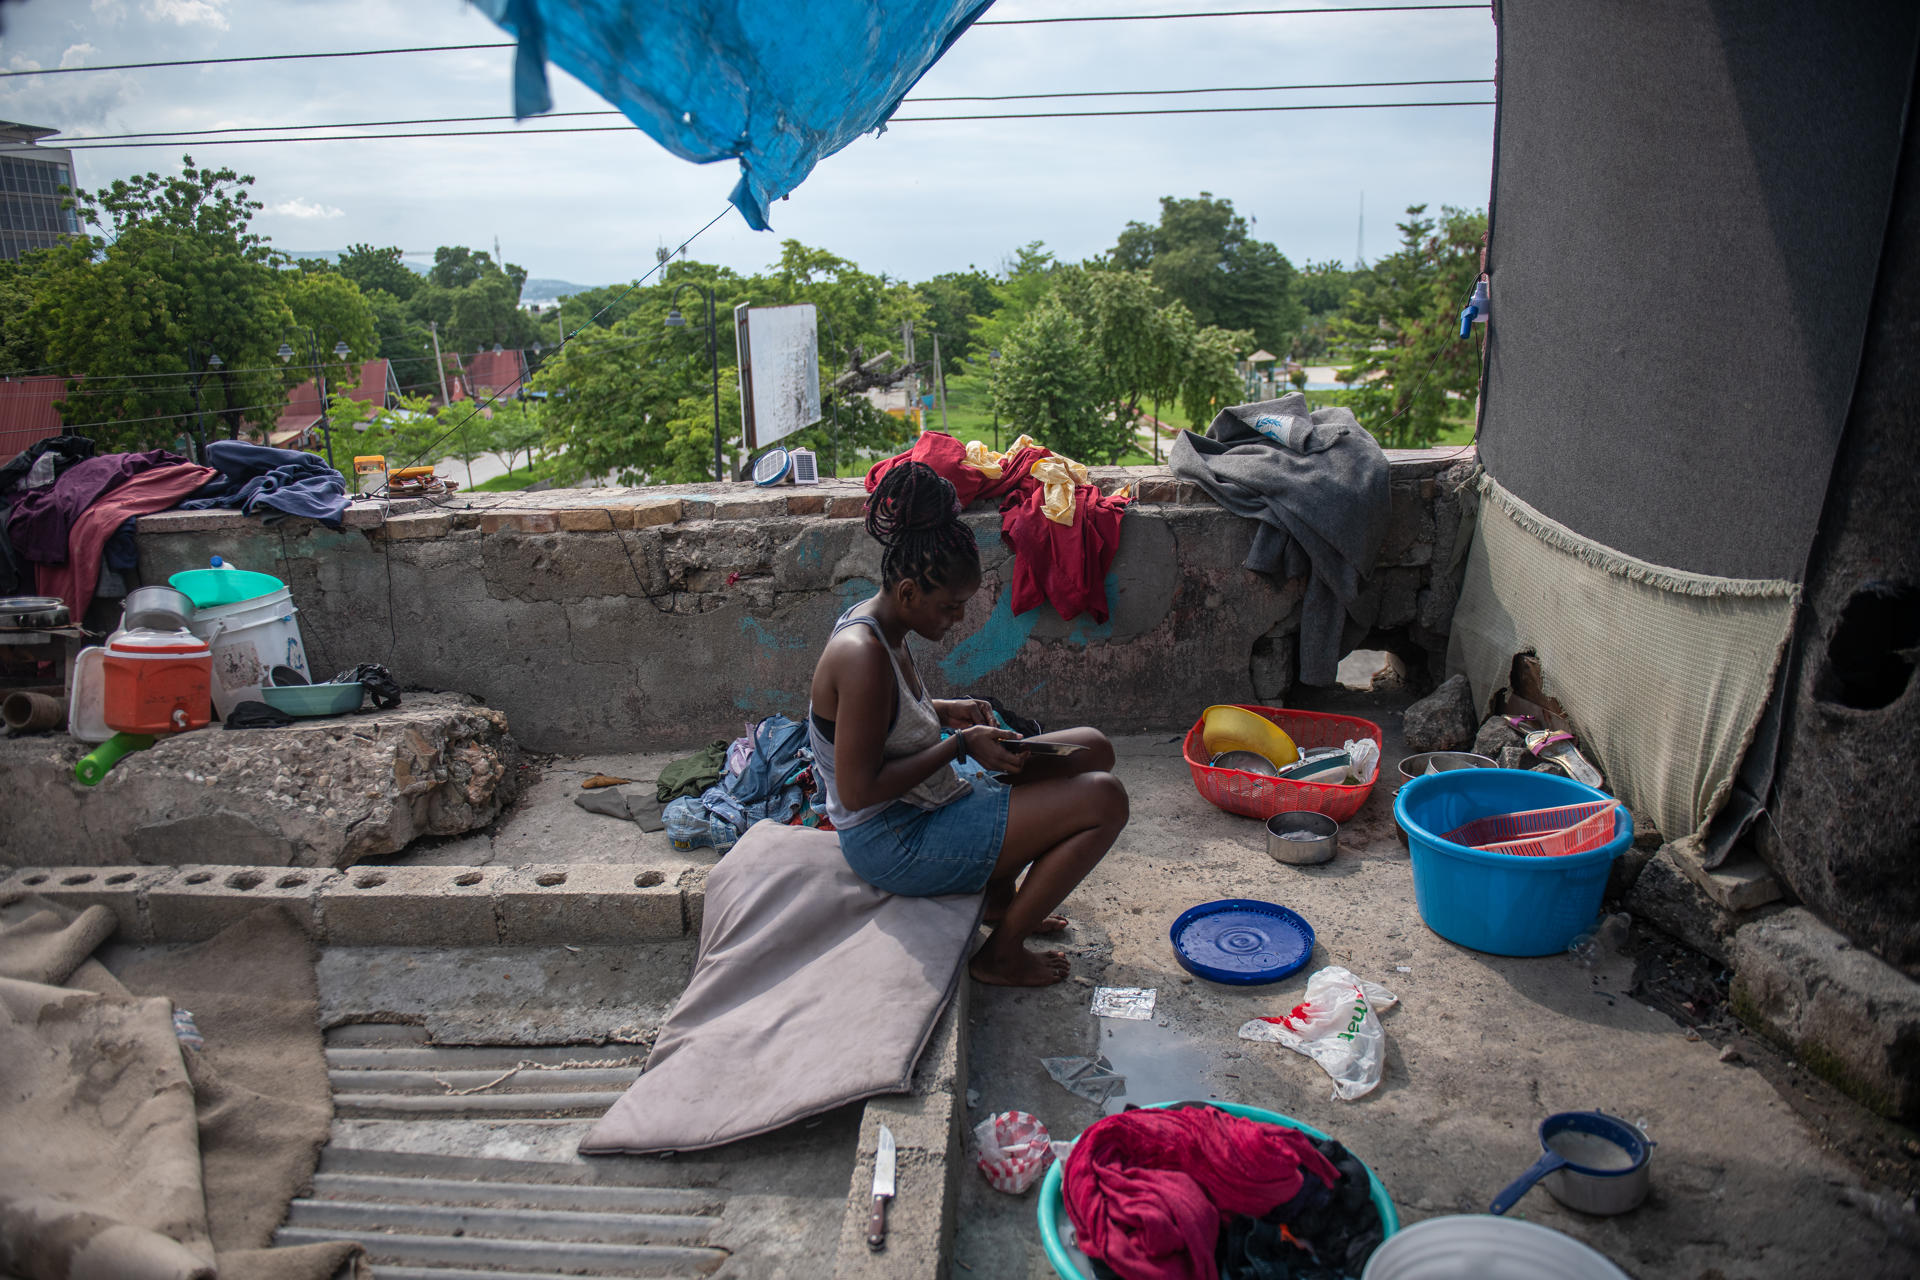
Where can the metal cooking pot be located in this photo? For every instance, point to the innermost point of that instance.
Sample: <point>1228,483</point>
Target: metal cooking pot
<point>1302,838</point>
<point>1419,765</point>
<point>156,609</point>
<point>1590,1161</point>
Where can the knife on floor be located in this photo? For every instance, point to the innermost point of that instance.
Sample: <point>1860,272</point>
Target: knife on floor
<point>882,1191</point>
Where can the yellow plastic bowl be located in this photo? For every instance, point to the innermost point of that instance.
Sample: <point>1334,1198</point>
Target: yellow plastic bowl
<point>1230,728</point>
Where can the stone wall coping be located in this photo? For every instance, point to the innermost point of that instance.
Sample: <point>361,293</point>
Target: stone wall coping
<point>615,508</point>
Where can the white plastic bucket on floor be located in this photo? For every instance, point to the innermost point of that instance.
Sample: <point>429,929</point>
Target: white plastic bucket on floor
<point>1482,1247</point>
<point>248,640</point>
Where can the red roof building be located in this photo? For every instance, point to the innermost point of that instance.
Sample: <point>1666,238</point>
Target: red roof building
<point>498,375</point>
<point>27,415</point>
<point>377,389</point>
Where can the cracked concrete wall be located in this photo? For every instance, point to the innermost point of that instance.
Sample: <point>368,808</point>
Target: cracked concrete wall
<point>655,618</point>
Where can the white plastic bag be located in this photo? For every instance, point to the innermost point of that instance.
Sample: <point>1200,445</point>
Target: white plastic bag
<point>1338,1026</point>
<point>1365,754</point>
<point>1014,1150</point>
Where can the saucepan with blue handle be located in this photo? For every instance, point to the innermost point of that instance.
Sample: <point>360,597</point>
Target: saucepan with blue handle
<point>1590,1161</point>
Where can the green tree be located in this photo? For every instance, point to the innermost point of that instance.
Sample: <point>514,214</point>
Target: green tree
<point>383,269</point>
<point>1202,253</point>
<point>1401,321</point>
<point>475,301</point>
<point>1047,384</point>
<point>517,430</point>
<point>953,300</point>
<point>171,268</point>
<point>407,435</point>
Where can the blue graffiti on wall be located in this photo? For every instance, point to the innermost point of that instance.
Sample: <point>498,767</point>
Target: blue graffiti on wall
<point>1001,635</point>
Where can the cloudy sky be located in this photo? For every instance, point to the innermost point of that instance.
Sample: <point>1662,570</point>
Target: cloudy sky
<point>918,200</point>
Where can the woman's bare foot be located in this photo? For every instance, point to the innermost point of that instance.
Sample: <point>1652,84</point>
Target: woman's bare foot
<point>1052,924</point>
<point>1019,968</point>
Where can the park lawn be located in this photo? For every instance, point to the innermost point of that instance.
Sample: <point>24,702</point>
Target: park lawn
<point>514,481</point>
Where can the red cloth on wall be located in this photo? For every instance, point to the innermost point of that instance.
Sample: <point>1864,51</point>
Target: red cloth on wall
<point>154,490</point>
<point>948,456</point>
<point>1062,565</point>
<point>1149,1190</point>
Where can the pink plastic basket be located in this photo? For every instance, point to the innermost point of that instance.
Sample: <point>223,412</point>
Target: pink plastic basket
<point>1255,795</point>
<point>1541,833</point>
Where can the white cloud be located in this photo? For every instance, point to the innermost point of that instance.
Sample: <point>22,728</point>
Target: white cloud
<point>298,208</point>
<point>187,13</point>
<point>76,55</point>
<point>109,10</point>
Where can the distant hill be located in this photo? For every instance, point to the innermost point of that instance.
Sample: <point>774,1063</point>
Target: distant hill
<point>542,291</point>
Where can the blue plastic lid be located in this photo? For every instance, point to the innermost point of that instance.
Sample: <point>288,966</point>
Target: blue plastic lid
<point>1241,941</point>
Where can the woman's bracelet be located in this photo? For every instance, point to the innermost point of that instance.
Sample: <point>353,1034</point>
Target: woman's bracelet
<point>961,739</point>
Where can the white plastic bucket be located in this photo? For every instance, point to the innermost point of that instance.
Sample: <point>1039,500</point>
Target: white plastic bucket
<point>1482,1247</point>
<point>248,640</point>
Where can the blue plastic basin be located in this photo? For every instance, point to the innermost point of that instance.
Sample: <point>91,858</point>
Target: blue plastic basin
<point>1501,903</point>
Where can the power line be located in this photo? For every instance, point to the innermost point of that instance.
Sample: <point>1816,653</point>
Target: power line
<point>508,44</point>
<point>970,97</point>
<point>611,128</point>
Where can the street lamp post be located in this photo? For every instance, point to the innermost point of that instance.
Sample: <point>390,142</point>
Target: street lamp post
<point>340,351</point>
<point>201,367</point>
<point>674,321</point>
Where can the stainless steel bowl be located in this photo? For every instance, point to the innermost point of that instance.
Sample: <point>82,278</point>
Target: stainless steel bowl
<point>157,608</point>
<point>1302,838</point>
<point>1417,766</point>
<point>1245,761</point>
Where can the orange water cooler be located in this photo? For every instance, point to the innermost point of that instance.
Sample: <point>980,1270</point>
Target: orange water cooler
<point>158,682</point>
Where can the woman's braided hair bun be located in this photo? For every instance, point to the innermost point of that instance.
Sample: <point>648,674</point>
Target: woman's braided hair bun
<point>915,514</point>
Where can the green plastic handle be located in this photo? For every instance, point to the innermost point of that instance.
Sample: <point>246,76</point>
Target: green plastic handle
<point>94,765</point>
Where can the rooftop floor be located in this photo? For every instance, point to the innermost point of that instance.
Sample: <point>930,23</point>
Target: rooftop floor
<point>1760,1169</point>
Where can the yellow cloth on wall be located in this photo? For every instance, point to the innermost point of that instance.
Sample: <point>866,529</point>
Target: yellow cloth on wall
<point>1060,476</point>
<point>988,462</point>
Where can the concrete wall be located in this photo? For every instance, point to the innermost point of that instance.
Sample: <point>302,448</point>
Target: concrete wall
<point>619,619</point>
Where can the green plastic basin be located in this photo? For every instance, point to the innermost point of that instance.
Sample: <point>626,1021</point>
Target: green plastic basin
<point>210,588</point>
<point>1053,1205</point>
<point>315,699</point>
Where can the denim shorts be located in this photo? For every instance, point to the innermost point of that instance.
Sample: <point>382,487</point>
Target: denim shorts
<point>922,853</point>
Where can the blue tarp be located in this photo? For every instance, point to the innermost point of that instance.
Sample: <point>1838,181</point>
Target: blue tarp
<point>777,86</point>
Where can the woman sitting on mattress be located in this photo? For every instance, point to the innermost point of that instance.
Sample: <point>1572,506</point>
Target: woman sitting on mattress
<point>918,813</point>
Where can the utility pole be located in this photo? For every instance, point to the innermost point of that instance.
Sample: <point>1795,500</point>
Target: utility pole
<point>912,384</point>
<point>940,381</point>
<point>439,364</point>
<point>1360,236</point>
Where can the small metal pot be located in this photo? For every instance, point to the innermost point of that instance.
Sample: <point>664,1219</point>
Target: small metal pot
<point>1295,851</point>
<point>1416,766</point>
<point>156,609</point>
<point>1591,1162</point>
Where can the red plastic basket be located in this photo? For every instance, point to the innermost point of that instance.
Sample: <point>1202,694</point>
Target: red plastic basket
<point>1254,795</point>
<point>1542,833</point>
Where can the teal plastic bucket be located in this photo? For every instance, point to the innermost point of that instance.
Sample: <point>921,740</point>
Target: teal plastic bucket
<point>1501,903</point>
<point>210,588</point>
<point>1053,1205</point>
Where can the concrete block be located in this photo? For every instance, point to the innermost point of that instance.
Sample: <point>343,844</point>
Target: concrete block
<point>931,1159</point>
<point>118,889</point>
<point>519,522</point>
<point>192,522</point>
<point>1741,883</point>
<point>427,524</point>
<point>1663,896</point>
<point>1850,1016</point>
<point>584,903</point>
<point>411,906</point>
<point>757,506</point>
<point>196,902</point>
<point>806,504</point>
<point>846,506</point>
<point>597,519</point>
<point>648,512</point>
<point>1158,489</point>
<point>363,515</point>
